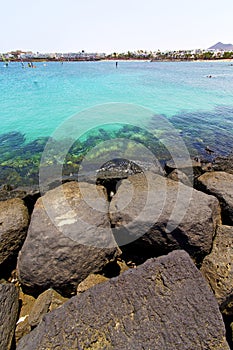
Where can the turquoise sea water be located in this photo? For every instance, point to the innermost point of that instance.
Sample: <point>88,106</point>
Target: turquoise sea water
<point>34,102</point>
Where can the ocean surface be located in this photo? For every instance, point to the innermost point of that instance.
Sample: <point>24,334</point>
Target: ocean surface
<point>38,103</point>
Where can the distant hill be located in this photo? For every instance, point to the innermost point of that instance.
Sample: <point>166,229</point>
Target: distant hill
<point>221,46</point>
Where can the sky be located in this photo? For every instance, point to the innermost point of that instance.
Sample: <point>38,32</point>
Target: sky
<point>114,26</point>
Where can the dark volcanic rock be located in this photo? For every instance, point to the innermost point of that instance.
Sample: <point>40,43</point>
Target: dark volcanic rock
<point>217,266</point>
<point>69,237</point>
<point>177,175</point>
<point>28,194</point>
<point>162,215</point>
<point>14,220</point>
<point>191,168</point>
<point>224,164</point>
<point>7,192</point>
<point>8,314</point>
<point>164,304</point>
<point>220,185</point>
<point>122,168</point>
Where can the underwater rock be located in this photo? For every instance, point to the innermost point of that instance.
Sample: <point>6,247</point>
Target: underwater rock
<point>14,220</point>
<point>69,237</point>
<point>164,304</point>
<point>122,168</point>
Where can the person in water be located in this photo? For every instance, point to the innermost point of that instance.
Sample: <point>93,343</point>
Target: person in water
<point>116,64</point>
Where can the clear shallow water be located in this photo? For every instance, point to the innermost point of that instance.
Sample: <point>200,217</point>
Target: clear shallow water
<point>34,102</point>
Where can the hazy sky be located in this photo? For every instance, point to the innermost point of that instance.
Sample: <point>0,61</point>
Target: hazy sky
<point>119,25</point>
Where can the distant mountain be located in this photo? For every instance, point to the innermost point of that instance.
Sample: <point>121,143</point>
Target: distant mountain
<point>221,46</point>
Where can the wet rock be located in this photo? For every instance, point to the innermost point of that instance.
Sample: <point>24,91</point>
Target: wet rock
<point>177,175</point>
<point>8,314</point>
<point>69,237</point>
<point>191,168</point>
<point>224,164</point>
<point>14,220</point>
<point>158,214</point>
<point>217,267</point>
<point>206,166</point>
<point>46,302</point>
<point>115,170</point>
<point>8,192</point>
<point>90,281</point>
<point>164,304</point>
<point>219,184</point>
<point>122,168</point>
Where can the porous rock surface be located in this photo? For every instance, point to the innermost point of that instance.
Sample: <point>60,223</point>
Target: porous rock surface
<point>225,164</point>
<point>164,304</point>
<point>157,213</point>
<point>8,314</point>
<point>14,220</point>
<point>217,267</point>
<point>69,237</point>
<point>219,184</point>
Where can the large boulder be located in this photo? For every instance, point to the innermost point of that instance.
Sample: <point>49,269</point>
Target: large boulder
<point>69,237</point>
<point>14,220</point>
<point>217,266</point>
<point>219,184</point>
<point>159,214</point>
<point>164,304</point>
<point>8,314</point>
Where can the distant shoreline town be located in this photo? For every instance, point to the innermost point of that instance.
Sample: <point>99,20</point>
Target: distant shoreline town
<point>216,52</point>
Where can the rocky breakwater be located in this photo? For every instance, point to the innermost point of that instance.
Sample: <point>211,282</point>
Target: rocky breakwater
<point>81,240</point>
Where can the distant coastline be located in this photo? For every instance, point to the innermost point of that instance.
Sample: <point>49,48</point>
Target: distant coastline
<point>215,53</point>
<point>120,59</point>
